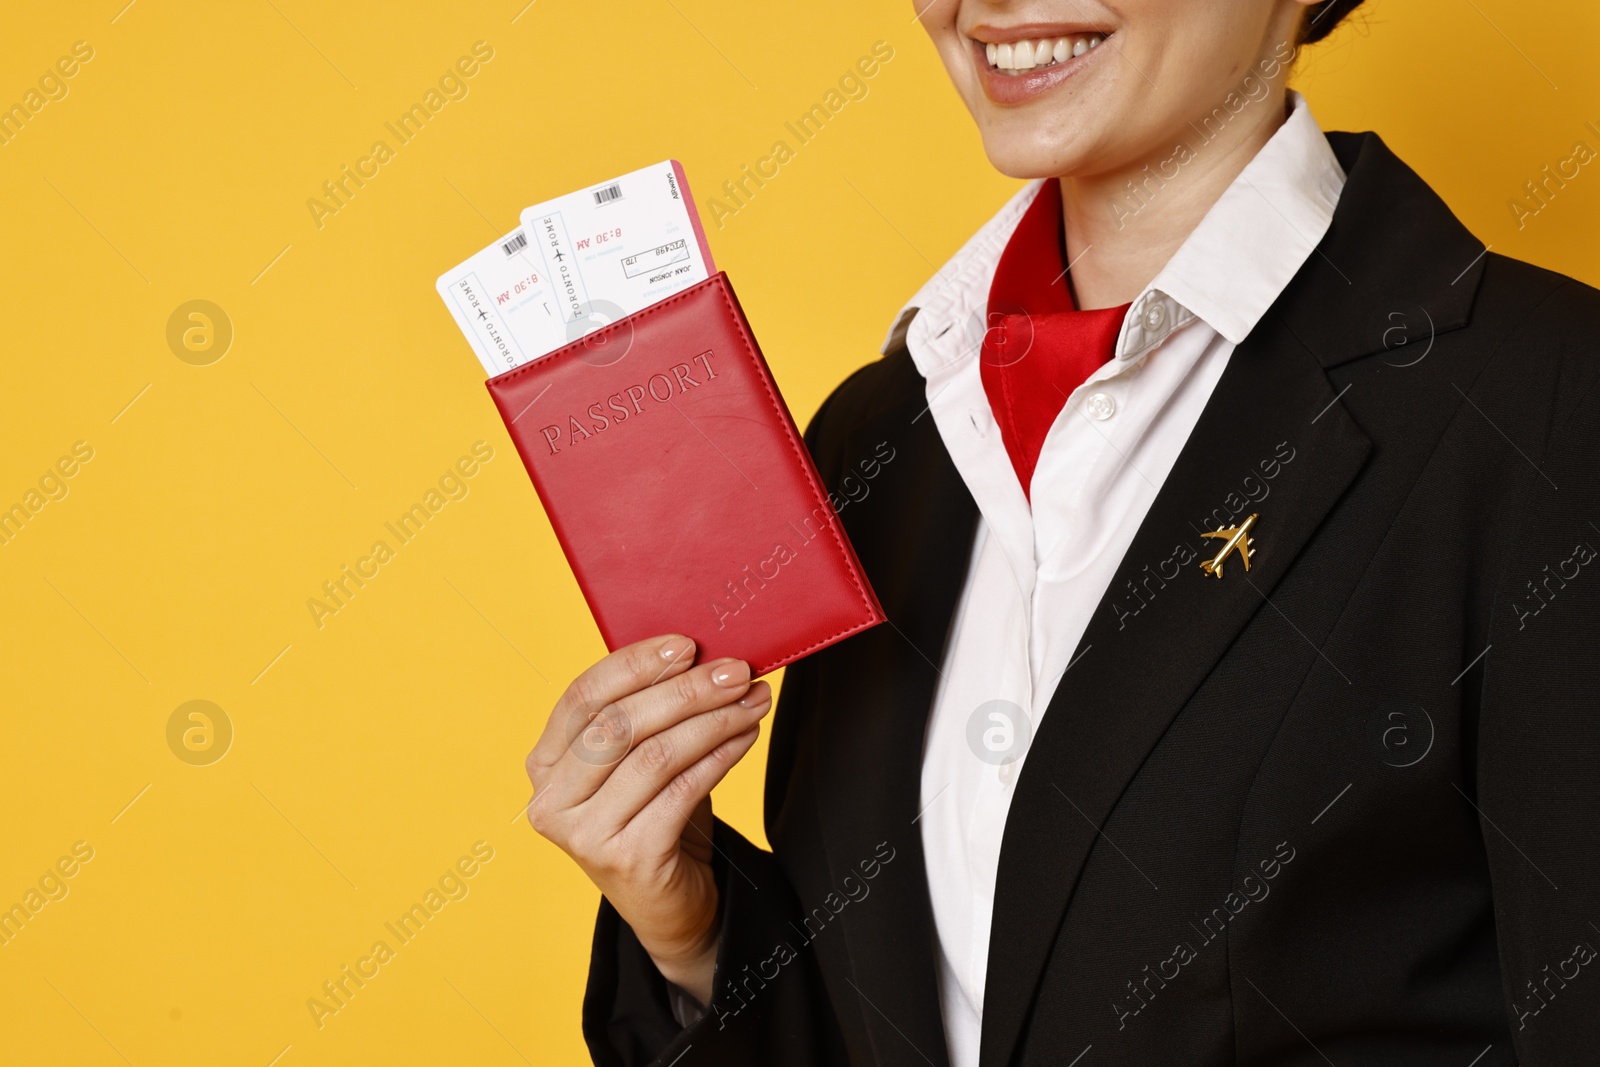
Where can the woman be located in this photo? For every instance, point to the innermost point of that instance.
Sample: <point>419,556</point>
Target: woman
<point>1234,706</point>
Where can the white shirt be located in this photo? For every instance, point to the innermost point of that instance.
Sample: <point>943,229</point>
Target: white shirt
<point>1038,574</point>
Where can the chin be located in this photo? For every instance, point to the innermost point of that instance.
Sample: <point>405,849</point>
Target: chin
<point>1023,155</point>
<point>1055,143</point>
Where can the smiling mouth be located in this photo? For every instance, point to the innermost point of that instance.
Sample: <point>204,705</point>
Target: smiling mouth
<point>1028,56</point>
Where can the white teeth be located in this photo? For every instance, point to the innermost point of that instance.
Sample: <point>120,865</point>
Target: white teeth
<point>1024,56</point>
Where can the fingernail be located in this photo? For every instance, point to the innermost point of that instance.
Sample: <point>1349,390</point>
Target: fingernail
<point>759,694</point>
<point>735,672</point>
<point>675,648</point>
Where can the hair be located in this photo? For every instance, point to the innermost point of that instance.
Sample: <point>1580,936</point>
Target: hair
<point>1320,18</point>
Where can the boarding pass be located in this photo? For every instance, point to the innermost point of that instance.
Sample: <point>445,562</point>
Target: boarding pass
<point>576,263</point>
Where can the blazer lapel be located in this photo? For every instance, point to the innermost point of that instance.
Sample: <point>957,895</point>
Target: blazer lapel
<point>913,533</point>
<point>1159,629</point>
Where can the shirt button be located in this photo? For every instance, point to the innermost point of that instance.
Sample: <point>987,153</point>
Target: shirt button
<point>1154,316</point>
<point>1100,406</point>
<point>1008,771</point>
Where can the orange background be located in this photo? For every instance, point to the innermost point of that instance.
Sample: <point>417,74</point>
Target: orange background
<point>368,756</point>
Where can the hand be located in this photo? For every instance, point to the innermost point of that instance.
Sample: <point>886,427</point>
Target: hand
<point>622,780</point>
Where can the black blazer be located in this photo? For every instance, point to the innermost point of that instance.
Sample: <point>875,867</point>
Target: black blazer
<point>1341,809</point>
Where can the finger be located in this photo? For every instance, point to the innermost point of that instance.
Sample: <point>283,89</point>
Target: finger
<point>638,719</point>
<point>627,670</point>
<point>656,761</point>
<point>666,816</point>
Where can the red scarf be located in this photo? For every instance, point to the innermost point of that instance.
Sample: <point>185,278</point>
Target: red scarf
<point>1038,347</point>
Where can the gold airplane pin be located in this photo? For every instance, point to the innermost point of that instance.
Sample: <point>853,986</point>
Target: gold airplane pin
<point>1237,537</point>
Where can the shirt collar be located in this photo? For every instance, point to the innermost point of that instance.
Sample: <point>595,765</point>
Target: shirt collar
<point>1228,272</point>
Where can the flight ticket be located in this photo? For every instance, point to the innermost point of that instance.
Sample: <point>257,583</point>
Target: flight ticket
<point>576,263</point>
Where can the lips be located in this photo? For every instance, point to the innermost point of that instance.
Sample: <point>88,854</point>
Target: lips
<point>1017,64</point>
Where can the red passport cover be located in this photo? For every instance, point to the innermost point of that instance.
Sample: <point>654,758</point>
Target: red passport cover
<point>680,491</point>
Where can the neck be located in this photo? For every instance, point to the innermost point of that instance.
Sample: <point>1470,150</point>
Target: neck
<point>1124,224</point>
